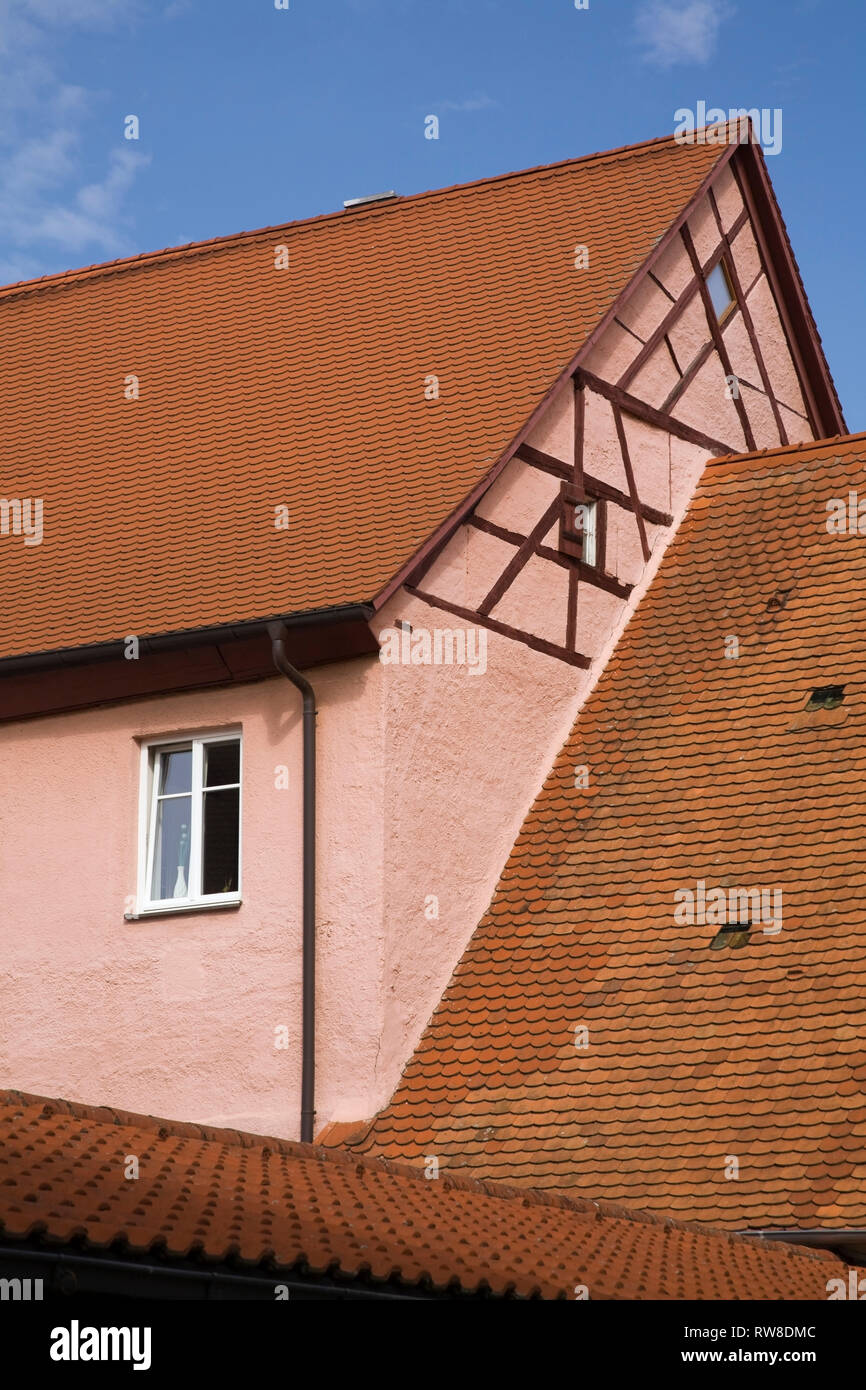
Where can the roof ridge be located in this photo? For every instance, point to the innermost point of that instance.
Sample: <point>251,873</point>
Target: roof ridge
<point>166,254</point>
<point>528,1196</point>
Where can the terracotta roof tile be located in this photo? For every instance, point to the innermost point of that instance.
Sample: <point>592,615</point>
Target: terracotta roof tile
<point>706,768</point>
<point>303,388</point>
<point>221,1196</point>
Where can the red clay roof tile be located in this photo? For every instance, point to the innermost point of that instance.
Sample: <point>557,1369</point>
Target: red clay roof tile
<point>702,768</point>
<point>302,388</point>
<point>221,1196</point>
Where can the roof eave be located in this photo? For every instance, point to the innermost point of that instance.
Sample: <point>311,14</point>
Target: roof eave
<point>181,639</point>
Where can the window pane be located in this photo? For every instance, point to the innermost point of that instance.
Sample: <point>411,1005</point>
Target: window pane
<point>222,763</point>
<point>590,520</point>
<point>219,868</point>
<point>720,290</point>
<point>171,849</point>
<point>176,772</point>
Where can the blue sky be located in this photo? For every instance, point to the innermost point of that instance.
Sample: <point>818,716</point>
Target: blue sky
<point>251,116</point>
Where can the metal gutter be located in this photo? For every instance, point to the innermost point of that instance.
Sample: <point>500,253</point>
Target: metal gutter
<point>818,1239</point>
<point>188,637</point>
<point>74,1273</point>
<point>308,1007</point>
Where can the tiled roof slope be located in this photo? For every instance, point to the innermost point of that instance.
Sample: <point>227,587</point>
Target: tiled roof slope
<point>701,767</point>
<point>222,1195</point>
<point>301,387</point>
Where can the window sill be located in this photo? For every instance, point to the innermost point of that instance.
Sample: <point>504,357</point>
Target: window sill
<point>182,910</point>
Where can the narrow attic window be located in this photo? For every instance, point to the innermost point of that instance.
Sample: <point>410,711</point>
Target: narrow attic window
<point>733,934</point>
<point>826,697</point>
<point>721,293</point>
<point>580,526</point>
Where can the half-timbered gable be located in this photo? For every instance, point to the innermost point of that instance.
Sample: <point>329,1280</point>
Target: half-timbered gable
<point>698,358</point>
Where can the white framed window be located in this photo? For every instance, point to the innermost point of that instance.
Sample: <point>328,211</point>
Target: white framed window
<point>586,522</point>
<point>190,822</point>
<point>582,526</point>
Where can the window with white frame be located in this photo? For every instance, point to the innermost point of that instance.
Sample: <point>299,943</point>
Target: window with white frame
<point>581,526</point>
<point>191,809</point>
<point>586,524</point>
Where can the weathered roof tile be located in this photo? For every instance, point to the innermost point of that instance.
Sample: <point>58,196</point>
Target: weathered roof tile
<point>702,768</point>
<point>220,1196</point>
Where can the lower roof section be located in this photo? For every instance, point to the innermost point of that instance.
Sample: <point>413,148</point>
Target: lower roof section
<point>246,1208</point>
<point>605,1033</point>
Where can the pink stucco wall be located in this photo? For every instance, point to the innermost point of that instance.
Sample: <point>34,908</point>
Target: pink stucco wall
<point>425,774</point>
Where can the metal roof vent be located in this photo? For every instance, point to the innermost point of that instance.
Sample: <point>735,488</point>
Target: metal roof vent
<point>370,198</point>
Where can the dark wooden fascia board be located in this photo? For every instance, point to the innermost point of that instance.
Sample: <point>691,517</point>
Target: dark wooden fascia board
<point>760,207</point>
<point>226,660</point>
<point>655,255</point>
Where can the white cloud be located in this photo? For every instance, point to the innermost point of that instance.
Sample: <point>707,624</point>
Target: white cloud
<point>93,217</point>
<point>679,31</point>
<point>53,215</point>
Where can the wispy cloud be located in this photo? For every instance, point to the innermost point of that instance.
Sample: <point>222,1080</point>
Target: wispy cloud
<point>482,102</point>
<point>679,31</point>
<point>51,214</point>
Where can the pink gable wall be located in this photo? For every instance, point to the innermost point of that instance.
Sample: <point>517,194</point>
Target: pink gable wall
<point>666,469</point>
<point>425,774</point>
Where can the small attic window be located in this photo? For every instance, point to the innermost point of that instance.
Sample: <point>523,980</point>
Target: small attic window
<point>826,697</point>
<point>721,293</point>
<point>733,934</point>
<point>586,522</point>
<point>580,526</point>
